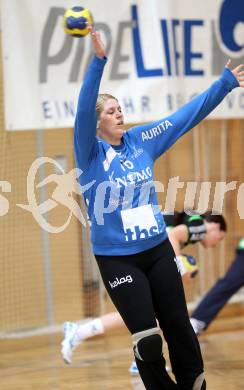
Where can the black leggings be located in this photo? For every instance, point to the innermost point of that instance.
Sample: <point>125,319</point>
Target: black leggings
<point>148,285</point>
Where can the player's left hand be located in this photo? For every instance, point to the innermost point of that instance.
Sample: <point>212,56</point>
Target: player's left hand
<point>238,72</point>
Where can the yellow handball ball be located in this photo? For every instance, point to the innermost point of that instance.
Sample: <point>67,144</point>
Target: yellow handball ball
<point>76,20</point>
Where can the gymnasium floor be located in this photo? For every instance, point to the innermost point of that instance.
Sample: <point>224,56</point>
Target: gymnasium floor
<point>102,363</point>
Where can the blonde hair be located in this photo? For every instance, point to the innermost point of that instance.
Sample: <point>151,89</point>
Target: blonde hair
<point>102,98</point>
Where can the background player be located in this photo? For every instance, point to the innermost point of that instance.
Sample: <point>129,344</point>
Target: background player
<point>220,293</point>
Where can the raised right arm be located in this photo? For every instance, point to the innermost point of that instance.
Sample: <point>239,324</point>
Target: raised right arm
<point>85,142</point>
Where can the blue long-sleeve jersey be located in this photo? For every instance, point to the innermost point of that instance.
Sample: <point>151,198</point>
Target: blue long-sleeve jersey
<point>120,195</point>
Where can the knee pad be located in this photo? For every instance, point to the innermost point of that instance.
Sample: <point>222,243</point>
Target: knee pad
<point>199,383</point>
<point>147,345</point>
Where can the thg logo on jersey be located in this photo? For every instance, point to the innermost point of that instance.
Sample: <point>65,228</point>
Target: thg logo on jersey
<point>136,233</point>
<point>139,223</point>
<point>117,281</point>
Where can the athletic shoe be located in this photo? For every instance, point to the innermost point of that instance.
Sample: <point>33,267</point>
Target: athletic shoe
<point>133,368</point>
<point>198,326</point>
<point>68,344</point>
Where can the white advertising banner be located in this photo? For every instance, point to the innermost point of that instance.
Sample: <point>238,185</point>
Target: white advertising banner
<point>160,54</point>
